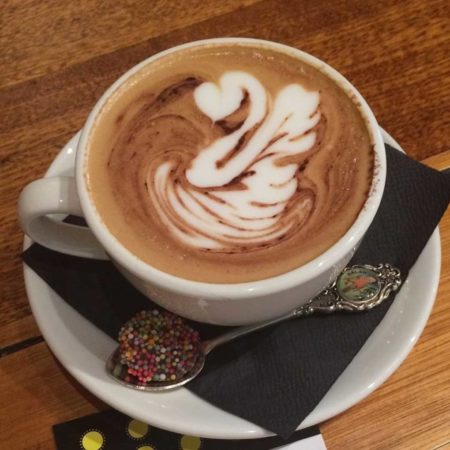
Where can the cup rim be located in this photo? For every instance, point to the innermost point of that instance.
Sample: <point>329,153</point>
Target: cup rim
<point>285,281</point>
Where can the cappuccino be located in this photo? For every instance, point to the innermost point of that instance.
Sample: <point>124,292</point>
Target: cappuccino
<point>229,163</point>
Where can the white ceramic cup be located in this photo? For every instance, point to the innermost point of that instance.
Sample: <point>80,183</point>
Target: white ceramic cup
<point>226,304</point>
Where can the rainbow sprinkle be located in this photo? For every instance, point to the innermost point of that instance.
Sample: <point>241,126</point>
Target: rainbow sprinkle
<point>157,346</point>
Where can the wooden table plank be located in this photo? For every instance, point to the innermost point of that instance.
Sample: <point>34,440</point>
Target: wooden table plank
<point>17,330</point>
<point>37,393</point>
<point>41,37</point>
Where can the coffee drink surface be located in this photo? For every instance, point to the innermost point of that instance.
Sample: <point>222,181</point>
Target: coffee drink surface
<point>229,163</point>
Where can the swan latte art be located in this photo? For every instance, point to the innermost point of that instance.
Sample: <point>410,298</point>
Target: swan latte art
<point>229,163</point>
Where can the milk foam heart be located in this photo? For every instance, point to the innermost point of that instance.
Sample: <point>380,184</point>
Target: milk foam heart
<point>217,102</point>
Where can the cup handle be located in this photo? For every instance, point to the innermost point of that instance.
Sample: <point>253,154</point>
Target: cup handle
<point>56,195</point>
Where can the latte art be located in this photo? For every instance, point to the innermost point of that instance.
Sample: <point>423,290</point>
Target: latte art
<point>229,164</point>
<point>238,195</point>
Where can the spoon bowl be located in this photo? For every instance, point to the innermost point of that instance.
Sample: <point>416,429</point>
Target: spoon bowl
<point>116,370</point>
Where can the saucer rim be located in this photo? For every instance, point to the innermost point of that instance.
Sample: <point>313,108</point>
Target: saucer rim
<point>247,430</point>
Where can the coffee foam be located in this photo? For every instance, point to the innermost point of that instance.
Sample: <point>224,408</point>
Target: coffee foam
<point>251,210</point>
<point>229,164</point>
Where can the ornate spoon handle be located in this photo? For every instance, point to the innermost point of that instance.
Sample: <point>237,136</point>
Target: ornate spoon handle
<point>357,288</point>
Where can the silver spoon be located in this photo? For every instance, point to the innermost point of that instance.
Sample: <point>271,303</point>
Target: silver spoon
<point>358,288</point>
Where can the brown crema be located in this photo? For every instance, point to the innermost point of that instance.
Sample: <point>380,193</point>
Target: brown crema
<point>153,118</point>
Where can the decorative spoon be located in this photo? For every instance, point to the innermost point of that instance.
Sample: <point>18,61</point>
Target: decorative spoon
<point>357,288</point>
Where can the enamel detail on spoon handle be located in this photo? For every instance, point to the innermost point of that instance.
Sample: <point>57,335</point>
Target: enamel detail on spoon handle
<point>357,288</point>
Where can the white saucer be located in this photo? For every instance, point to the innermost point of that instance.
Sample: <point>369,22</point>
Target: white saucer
<point>83,349</point>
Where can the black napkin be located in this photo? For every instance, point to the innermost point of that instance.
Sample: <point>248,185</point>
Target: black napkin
<point>111,430</point>
<point>276,377</point>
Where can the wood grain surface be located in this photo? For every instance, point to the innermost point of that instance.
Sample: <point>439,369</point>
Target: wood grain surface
<point>56,59</point>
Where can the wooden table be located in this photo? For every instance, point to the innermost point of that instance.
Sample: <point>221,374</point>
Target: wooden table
<point>57,57</point>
